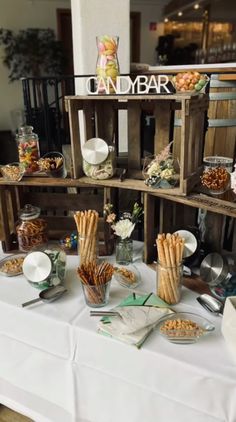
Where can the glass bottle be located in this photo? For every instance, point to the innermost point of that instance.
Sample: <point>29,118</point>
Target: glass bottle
<point>28,148</point>
<point>107,67</point>
<point>31,230</point>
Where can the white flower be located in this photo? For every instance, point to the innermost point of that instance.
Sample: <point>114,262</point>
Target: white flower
<point>154,169</point>
<point>123,228</point>
<point>167,174</point>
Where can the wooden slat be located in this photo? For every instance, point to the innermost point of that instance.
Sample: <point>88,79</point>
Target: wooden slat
<point>134,140</point>
<point>89,118</point>
<point>65,201</point>
<point>5,228</point>
<point>106,121</point>
<point>149,235</point>
<point>73,107</point>
<point>162,113</point>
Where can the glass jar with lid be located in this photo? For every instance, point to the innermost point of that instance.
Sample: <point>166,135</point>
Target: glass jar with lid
<point>28,148</point>
<point>99,159</point>
<point>45,266</point>
<point>31,229</point>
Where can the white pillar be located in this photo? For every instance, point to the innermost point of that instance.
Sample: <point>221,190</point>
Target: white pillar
<point>91,18</point>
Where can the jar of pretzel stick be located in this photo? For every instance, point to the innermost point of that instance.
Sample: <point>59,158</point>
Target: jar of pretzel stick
<point>169,282</point>
<point>87,248</point>
<point>87,227</point>
<point>31,230</point>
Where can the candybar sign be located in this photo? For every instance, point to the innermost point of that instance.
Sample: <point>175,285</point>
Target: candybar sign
<point>142,84</point>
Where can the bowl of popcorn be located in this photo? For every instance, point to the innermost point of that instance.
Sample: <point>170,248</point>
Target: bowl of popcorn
<point>189,82</point>
<point>216,180</point>
<point>184,327</point>
<point>12,171</point>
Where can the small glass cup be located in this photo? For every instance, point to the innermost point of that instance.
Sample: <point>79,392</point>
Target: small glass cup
<point>96,296</point>
<point>87,249</point>
<point>169,282</point>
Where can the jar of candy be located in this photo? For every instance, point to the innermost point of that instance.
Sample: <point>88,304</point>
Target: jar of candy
<point>45,266</point>
<point>31,230</point>
<point>28,148</point>
<point>99,159</point>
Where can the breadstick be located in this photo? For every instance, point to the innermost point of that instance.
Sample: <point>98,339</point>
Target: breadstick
<point>164,279</point>
<point>171,285</point>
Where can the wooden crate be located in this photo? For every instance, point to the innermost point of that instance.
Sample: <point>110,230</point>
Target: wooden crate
<point>100,116</point>
<point>57,206</point>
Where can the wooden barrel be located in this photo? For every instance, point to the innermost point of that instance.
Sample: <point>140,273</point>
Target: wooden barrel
<point>221,133</point>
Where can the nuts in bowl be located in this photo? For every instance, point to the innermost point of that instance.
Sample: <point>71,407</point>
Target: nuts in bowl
<point>189,82</point>
<point>13,171</point>
<point>184,327</point>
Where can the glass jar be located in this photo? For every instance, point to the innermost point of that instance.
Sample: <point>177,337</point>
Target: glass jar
<point>104,170</point>
<point>99,159</point>
<point>169,282</point>
<point>124,251</point>
<point>107,67</point>
<point>28,148</point>
<point>31,230</point>
<point>45,266</point>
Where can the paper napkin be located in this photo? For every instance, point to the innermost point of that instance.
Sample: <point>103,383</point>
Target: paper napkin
<point>137,318</point>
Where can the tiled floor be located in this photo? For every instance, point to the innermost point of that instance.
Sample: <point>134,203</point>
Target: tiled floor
<point>8,415</point>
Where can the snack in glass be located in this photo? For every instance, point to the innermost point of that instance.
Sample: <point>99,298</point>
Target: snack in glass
<point>13,171</point>
<point>95,279</point>
<point>216,180</point>
<point>28,149</point>
<point>170,249</point>
<point>185,327</point>
<point>53,164</point>
<point>87,226</point>
<point>31,230</point>
<point>189,82</point>
<point>12,265</point>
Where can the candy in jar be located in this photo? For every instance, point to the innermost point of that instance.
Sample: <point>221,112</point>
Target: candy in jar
<point>28,148</point>
<point>31,230</point>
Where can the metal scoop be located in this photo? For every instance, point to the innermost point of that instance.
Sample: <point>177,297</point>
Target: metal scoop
<point>48,295</point>
<point>211,304</point>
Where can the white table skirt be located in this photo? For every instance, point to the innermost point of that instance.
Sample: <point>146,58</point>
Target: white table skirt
<point>55,367</point>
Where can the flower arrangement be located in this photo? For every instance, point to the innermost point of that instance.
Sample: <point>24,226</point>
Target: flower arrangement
<point>233,179</point>
<point>124,227</point>
<point>159,171</point>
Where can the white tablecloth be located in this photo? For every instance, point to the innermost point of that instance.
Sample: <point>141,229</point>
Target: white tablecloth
<point>55,367</point>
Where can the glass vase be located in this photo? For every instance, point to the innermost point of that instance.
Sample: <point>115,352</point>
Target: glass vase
<point>107,67</point>
<point>124,251</point>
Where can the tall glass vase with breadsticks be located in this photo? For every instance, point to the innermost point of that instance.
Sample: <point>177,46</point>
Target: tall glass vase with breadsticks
<point>87,227</point>
<point>170,249</point>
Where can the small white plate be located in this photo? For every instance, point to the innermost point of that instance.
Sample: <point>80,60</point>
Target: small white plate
<point>124,280</point>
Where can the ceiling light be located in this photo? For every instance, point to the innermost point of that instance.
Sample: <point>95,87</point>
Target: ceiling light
<point>196,6</point>
<point>166,20</point>
<point>180,13</point>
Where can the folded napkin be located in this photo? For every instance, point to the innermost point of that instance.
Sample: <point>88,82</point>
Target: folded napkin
<point>137,317</point>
